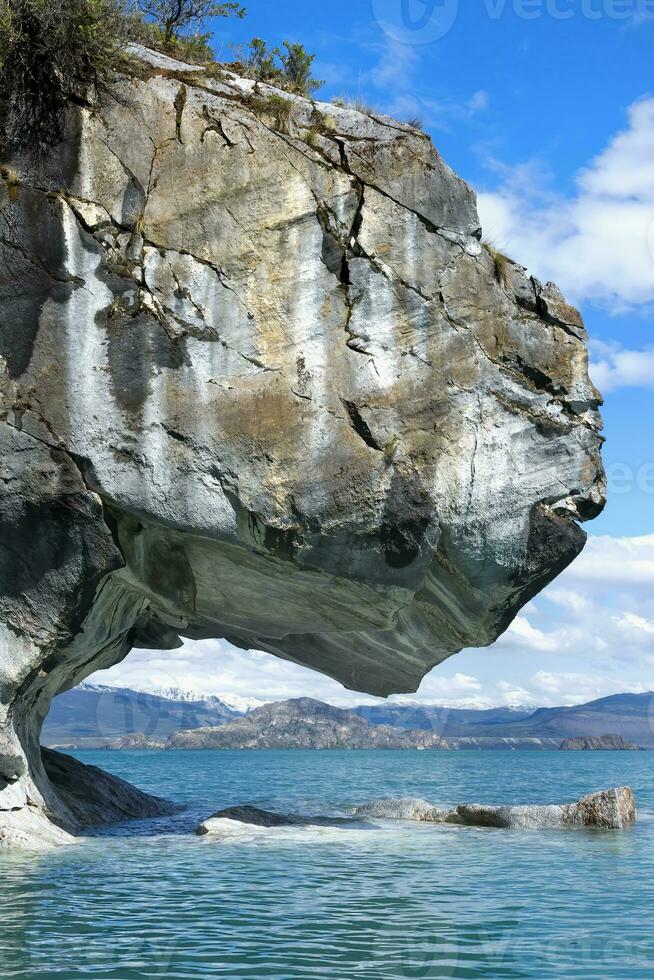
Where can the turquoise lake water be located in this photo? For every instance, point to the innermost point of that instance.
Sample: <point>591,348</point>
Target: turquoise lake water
<point>381,902</point>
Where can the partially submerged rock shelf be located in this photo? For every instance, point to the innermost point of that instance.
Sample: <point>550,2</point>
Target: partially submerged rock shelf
<point>225,822</point>
<point>261,381</point>
<point>612,809</point>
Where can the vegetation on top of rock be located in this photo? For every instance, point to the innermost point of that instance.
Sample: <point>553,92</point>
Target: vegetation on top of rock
<point>501,262</point>
<point>175,17</point>
<point>50,51</point>
<point>289,68</point>
<point>54,52</point>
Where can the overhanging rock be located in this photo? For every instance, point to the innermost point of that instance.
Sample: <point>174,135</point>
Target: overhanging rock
<point>262,381</point>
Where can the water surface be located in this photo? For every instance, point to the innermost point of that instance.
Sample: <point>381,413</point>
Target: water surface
<point>380,902</point>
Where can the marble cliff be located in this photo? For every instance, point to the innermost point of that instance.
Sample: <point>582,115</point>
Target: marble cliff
<point>261,380</point>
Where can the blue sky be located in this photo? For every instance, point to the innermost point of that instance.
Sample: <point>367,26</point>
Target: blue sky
<point>547,108</point>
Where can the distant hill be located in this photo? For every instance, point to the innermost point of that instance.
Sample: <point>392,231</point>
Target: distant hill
<point>91,715</point>
<point>628,715</point>
<point>302,724</point>
<point>598,743</point>
<point>456,721</point>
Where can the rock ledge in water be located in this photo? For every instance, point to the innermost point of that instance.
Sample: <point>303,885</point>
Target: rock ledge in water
<point>612,809</point>
<point>252,816</point>
<point>94,797</point>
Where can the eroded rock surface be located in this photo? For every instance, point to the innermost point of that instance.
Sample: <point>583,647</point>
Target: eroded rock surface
<point>222,823</point>
<point>612,809</point>
<point>261,381</point>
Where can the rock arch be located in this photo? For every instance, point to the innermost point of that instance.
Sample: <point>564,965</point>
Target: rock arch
<point>268,385</point>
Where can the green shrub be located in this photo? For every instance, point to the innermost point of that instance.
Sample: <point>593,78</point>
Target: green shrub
<point>297,65</point>
<point>289,69</point>
<point>194,49</point>
<point>260,63</point>
<point>51,51</point>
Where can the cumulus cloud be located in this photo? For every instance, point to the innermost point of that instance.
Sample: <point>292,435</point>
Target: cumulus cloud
<point>597,244</point>
<point>609,563</point>
<point>613,367</point>
<point>522,633</point>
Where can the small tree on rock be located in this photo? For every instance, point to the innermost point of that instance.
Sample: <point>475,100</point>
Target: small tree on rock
<point>297,65</point>
<point>289,69</point>
<point>176,17</point>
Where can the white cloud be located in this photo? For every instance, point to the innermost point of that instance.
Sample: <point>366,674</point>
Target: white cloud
<point>395,67</point>
<point>626,563</point>
<point>613,367</point>
<point>573,688</point>
<point>566,598</point>
<point>598,244</point>
<point>523,633</point>
<point>636,625</point>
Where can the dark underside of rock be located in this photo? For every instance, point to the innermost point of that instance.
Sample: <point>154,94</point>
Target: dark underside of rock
<point>262,381</point>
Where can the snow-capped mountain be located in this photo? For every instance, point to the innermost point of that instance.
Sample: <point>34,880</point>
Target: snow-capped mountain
<point>191,695</point>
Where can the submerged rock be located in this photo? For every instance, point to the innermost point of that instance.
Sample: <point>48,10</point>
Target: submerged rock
<point>252,816</point>
<point>610,809</point>
<point>261,381</point>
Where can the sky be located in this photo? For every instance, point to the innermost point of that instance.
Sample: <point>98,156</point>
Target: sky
<point>547,108</point>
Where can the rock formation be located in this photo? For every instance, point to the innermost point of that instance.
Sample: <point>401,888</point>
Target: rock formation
<point>613,809</point>
<point>86,797</point>
<point>262,381</point>
<point>221,824</point>
<point>302,723</point>
<point>598,743</point>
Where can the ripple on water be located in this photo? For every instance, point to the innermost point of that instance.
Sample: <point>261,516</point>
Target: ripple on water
<point>380,902</point>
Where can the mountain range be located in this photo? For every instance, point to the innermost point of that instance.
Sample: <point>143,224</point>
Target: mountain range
<point>94,716</point>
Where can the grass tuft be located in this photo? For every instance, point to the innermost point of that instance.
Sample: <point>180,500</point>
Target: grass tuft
<point>276,107</point>
<point>501,262</point>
